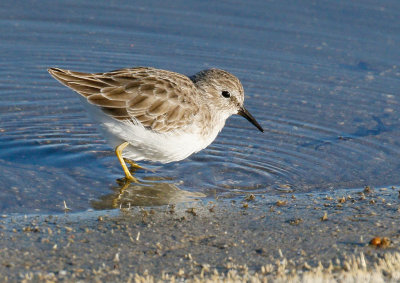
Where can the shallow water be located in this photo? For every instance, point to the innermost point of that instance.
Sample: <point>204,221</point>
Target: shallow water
<point>322,79</point>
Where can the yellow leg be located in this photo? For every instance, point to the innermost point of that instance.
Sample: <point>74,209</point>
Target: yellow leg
<point>118,152</point>
<point>133,164</point>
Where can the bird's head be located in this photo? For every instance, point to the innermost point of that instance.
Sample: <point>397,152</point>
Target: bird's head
<point>225,92</point>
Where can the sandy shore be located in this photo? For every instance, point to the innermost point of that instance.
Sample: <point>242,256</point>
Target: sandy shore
<point>288,236</point>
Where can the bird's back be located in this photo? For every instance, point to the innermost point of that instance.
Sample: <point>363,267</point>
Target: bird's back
<point>160,100</point>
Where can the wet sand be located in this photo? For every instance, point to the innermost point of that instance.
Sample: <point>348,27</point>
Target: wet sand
<point>257,237</point>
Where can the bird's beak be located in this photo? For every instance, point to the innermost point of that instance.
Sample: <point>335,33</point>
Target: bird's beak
<point>244,113</point>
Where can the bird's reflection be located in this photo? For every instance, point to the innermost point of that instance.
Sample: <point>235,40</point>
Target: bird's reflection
<point>151,191</point>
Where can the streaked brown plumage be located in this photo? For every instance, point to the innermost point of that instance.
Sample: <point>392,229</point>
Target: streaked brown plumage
<point>161,115</point>
<point>160,100</point>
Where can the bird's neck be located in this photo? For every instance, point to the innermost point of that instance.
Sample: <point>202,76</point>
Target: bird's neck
<point>211,121</point>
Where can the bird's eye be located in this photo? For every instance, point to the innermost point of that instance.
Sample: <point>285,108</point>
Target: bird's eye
<point>226,94</point>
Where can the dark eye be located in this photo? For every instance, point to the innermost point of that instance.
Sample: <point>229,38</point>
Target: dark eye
<point>226,94</point>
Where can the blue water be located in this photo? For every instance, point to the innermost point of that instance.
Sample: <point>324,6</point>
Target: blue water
<point>322,78</point>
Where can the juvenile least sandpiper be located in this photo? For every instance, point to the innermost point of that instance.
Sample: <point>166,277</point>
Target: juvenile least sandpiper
<point>158,115</point>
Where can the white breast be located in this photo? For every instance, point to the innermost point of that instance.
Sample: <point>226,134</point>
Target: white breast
<point>148,145</point>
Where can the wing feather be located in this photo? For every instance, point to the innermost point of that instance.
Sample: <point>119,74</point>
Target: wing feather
<point>160,100</point>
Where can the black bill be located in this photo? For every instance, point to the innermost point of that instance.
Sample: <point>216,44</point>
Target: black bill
<point>244,113</point>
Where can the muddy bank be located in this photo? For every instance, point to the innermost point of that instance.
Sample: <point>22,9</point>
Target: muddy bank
<point>200,238</point>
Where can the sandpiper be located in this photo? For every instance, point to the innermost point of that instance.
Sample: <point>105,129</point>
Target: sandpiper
<point>157,115</point>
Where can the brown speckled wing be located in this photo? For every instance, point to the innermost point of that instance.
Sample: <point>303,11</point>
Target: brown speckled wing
<point>159,99</point>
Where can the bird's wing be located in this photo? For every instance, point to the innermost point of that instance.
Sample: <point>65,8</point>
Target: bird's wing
<point>160,100</point>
